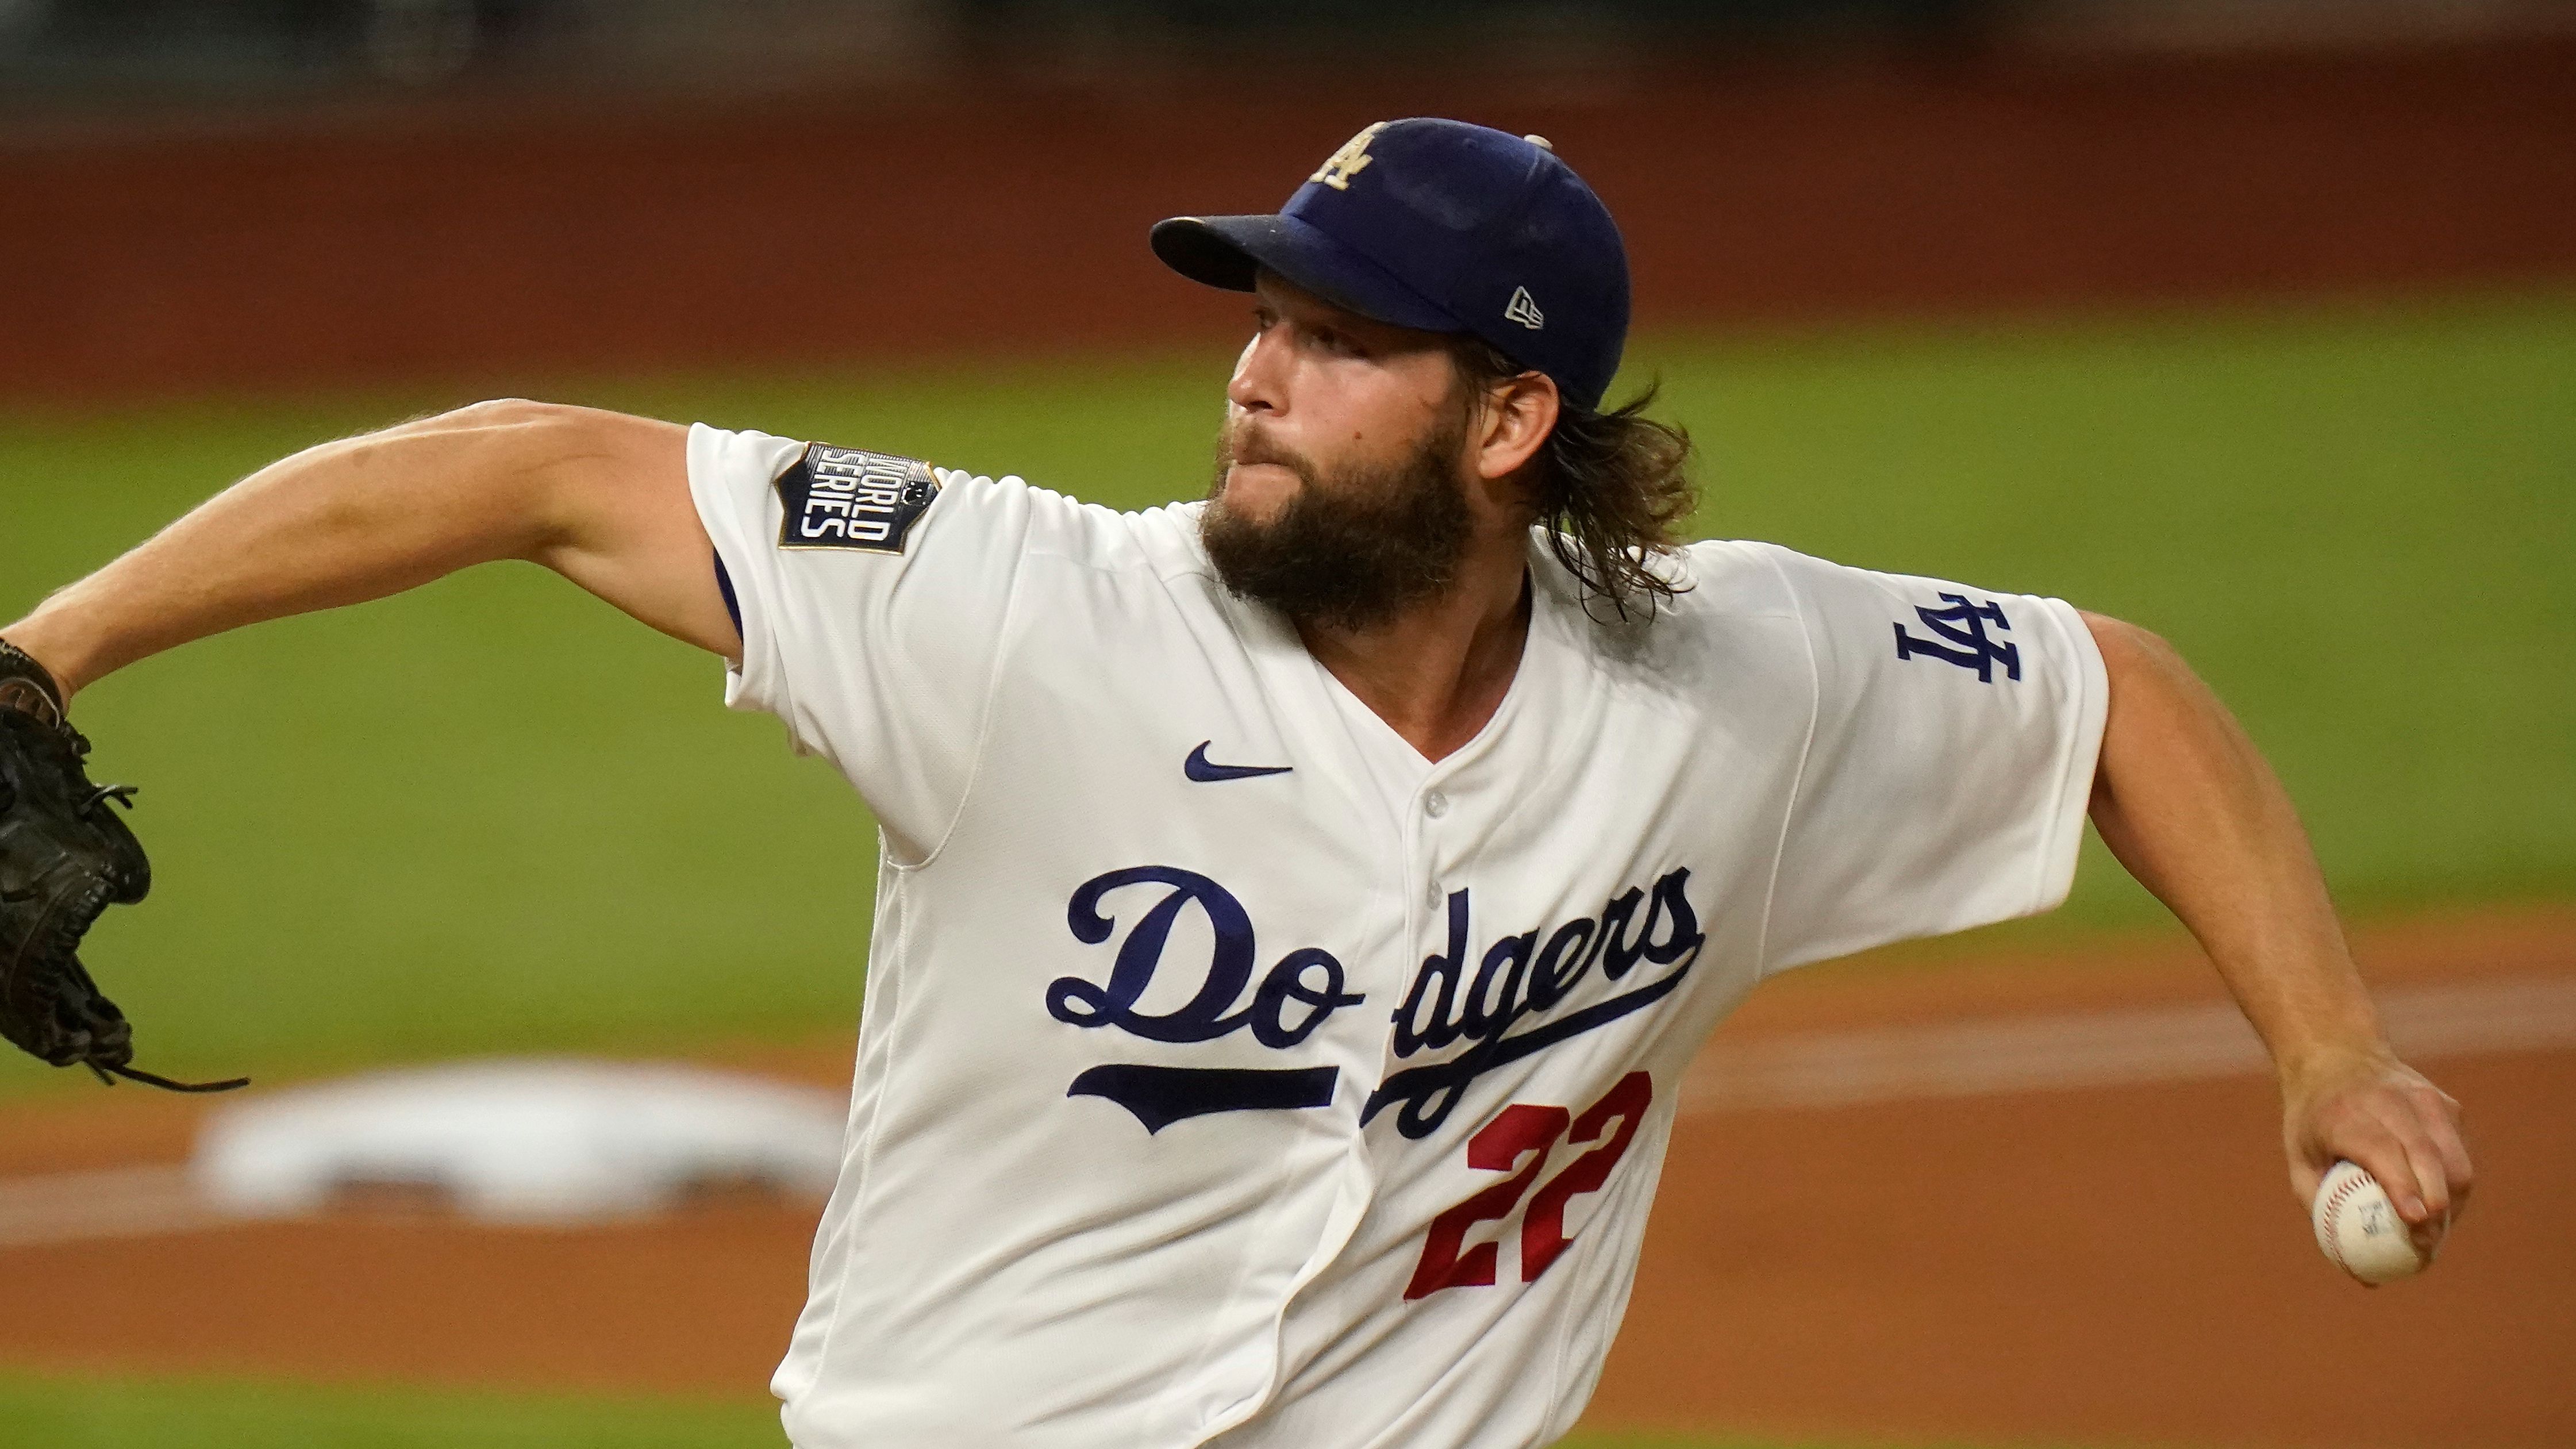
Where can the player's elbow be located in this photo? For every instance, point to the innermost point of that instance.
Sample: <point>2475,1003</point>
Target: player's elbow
<point>515,476</point>
<point>523,432</point>
<point>503,412</point>
<point>491,416</point>
<point>557,461</point>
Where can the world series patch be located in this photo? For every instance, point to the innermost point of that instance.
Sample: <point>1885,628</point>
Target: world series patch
<point>852,499</point>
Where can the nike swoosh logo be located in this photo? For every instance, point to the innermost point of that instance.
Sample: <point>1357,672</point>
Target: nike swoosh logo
<point>1198,768</point>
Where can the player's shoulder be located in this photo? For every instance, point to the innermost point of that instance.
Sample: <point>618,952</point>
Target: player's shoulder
<point>1730,592</point>
<point>955,511</point>
<point>1722,584</point>
<point>1727,618</point>
<point>1058,528</point>
<point>1738,576</point>
<point>1157,542</point>
<point>1731,578</point>
<point>1860,624</point>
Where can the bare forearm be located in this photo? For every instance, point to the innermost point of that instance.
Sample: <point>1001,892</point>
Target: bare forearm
<point>2188,805</point>
<point>337,524</point>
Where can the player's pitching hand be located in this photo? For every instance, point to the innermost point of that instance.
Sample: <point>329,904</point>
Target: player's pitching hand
<point>2377,1111</point>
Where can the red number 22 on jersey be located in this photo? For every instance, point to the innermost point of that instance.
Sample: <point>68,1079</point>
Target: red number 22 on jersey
<point>1521,1131</point>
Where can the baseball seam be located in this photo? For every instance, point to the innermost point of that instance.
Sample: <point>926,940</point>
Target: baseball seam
<point>2334,1215</point>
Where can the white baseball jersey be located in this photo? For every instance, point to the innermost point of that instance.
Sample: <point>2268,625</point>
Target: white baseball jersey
<point>1230,1074</point>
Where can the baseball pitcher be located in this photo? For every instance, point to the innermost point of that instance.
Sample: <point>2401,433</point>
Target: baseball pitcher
<point>1296,908</point>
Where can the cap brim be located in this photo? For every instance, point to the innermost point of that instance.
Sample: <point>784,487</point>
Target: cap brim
<point>1230,251</point>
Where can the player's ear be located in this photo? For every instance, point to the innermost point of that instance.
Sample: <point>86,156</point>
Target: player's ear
<point>1518,414</point>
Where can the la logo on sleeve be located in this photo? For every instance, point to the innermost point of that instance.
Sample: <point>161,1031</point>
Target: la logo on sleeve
<point>853,500</point>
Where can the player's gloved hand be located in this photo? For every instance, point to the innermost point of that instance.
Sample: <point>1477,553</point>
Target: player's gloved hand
<point>2368,1106</point>
<point>65,857</point>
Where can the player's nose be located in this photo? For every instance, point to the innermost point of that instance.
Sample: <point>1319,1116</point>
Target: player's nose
<point>1259,381</point>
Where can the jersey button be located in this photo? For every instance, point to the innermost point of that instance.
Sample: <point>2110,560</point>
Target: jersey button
<point>1435,804</point>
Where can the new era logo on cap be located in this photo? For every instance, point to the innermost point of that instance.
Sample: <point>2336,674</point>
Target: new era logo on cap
<point>1446,227</point>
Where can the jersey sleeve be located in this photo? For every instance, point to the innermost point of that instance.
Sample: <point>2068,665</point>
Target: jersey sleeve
<point>1949,764</point>
<point>871,592</point>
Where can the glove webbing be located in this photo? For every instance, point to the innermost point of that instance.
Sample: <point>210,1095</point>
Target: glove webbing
<point>151,1079</point>
<point>27,686</point>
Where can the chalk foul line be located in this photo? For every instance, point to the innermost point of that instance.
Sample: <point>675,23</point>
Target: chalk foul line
<point>2122,1047</point>
<point>124,1202</point>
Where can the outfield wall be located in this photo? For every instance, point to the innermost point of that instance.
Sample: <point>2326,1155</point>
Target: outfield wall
<point>472,245</point>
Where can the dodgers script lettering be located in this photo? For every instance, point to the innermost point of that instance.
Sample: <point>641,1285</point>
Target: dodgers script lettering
<point>1531,975</point>
<point>1309,978</point>
<point>1295,995</point>
<point>1524,993</point>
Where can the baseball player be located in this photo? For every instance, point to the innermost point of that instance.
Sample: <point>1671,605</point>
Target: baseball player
<point>1297,909</point>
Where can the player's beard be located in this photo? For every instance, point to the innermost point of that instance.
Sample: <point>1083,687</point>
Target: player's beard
<point>1354,547</point>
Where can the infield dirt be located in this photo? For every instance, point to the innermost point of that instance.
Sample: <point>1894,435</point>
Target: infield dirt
<point>2103,1265</point>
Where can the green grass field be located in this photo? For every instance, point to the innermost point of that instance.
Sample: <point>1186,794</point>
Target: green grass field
<point>109,1413</point>
<point>492,815</point>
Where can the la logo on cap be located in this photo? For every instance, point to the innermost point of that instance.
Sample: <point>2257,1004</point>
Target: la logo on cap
<point>1464,230</point>
<point>1350,161</point>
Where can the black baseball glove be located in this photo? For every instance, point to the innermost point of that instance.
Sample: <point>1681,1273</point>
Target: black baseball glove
<point>65,856</point>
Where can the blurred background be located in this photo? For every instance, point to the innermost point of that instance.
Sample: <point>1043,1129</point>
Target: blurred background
<point>2251,320</point>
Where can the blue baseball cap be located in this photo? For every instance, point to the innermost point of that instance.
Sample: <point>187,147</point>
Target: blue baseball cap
<point>1445,227</point>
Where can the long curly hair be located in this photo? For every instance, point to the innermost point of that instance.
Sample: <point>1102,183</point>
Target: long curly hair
<point>1612,488</point>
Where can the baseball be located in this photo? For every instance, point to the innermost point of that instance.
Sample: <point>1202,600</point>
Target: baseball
<point>2358,1227</point>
